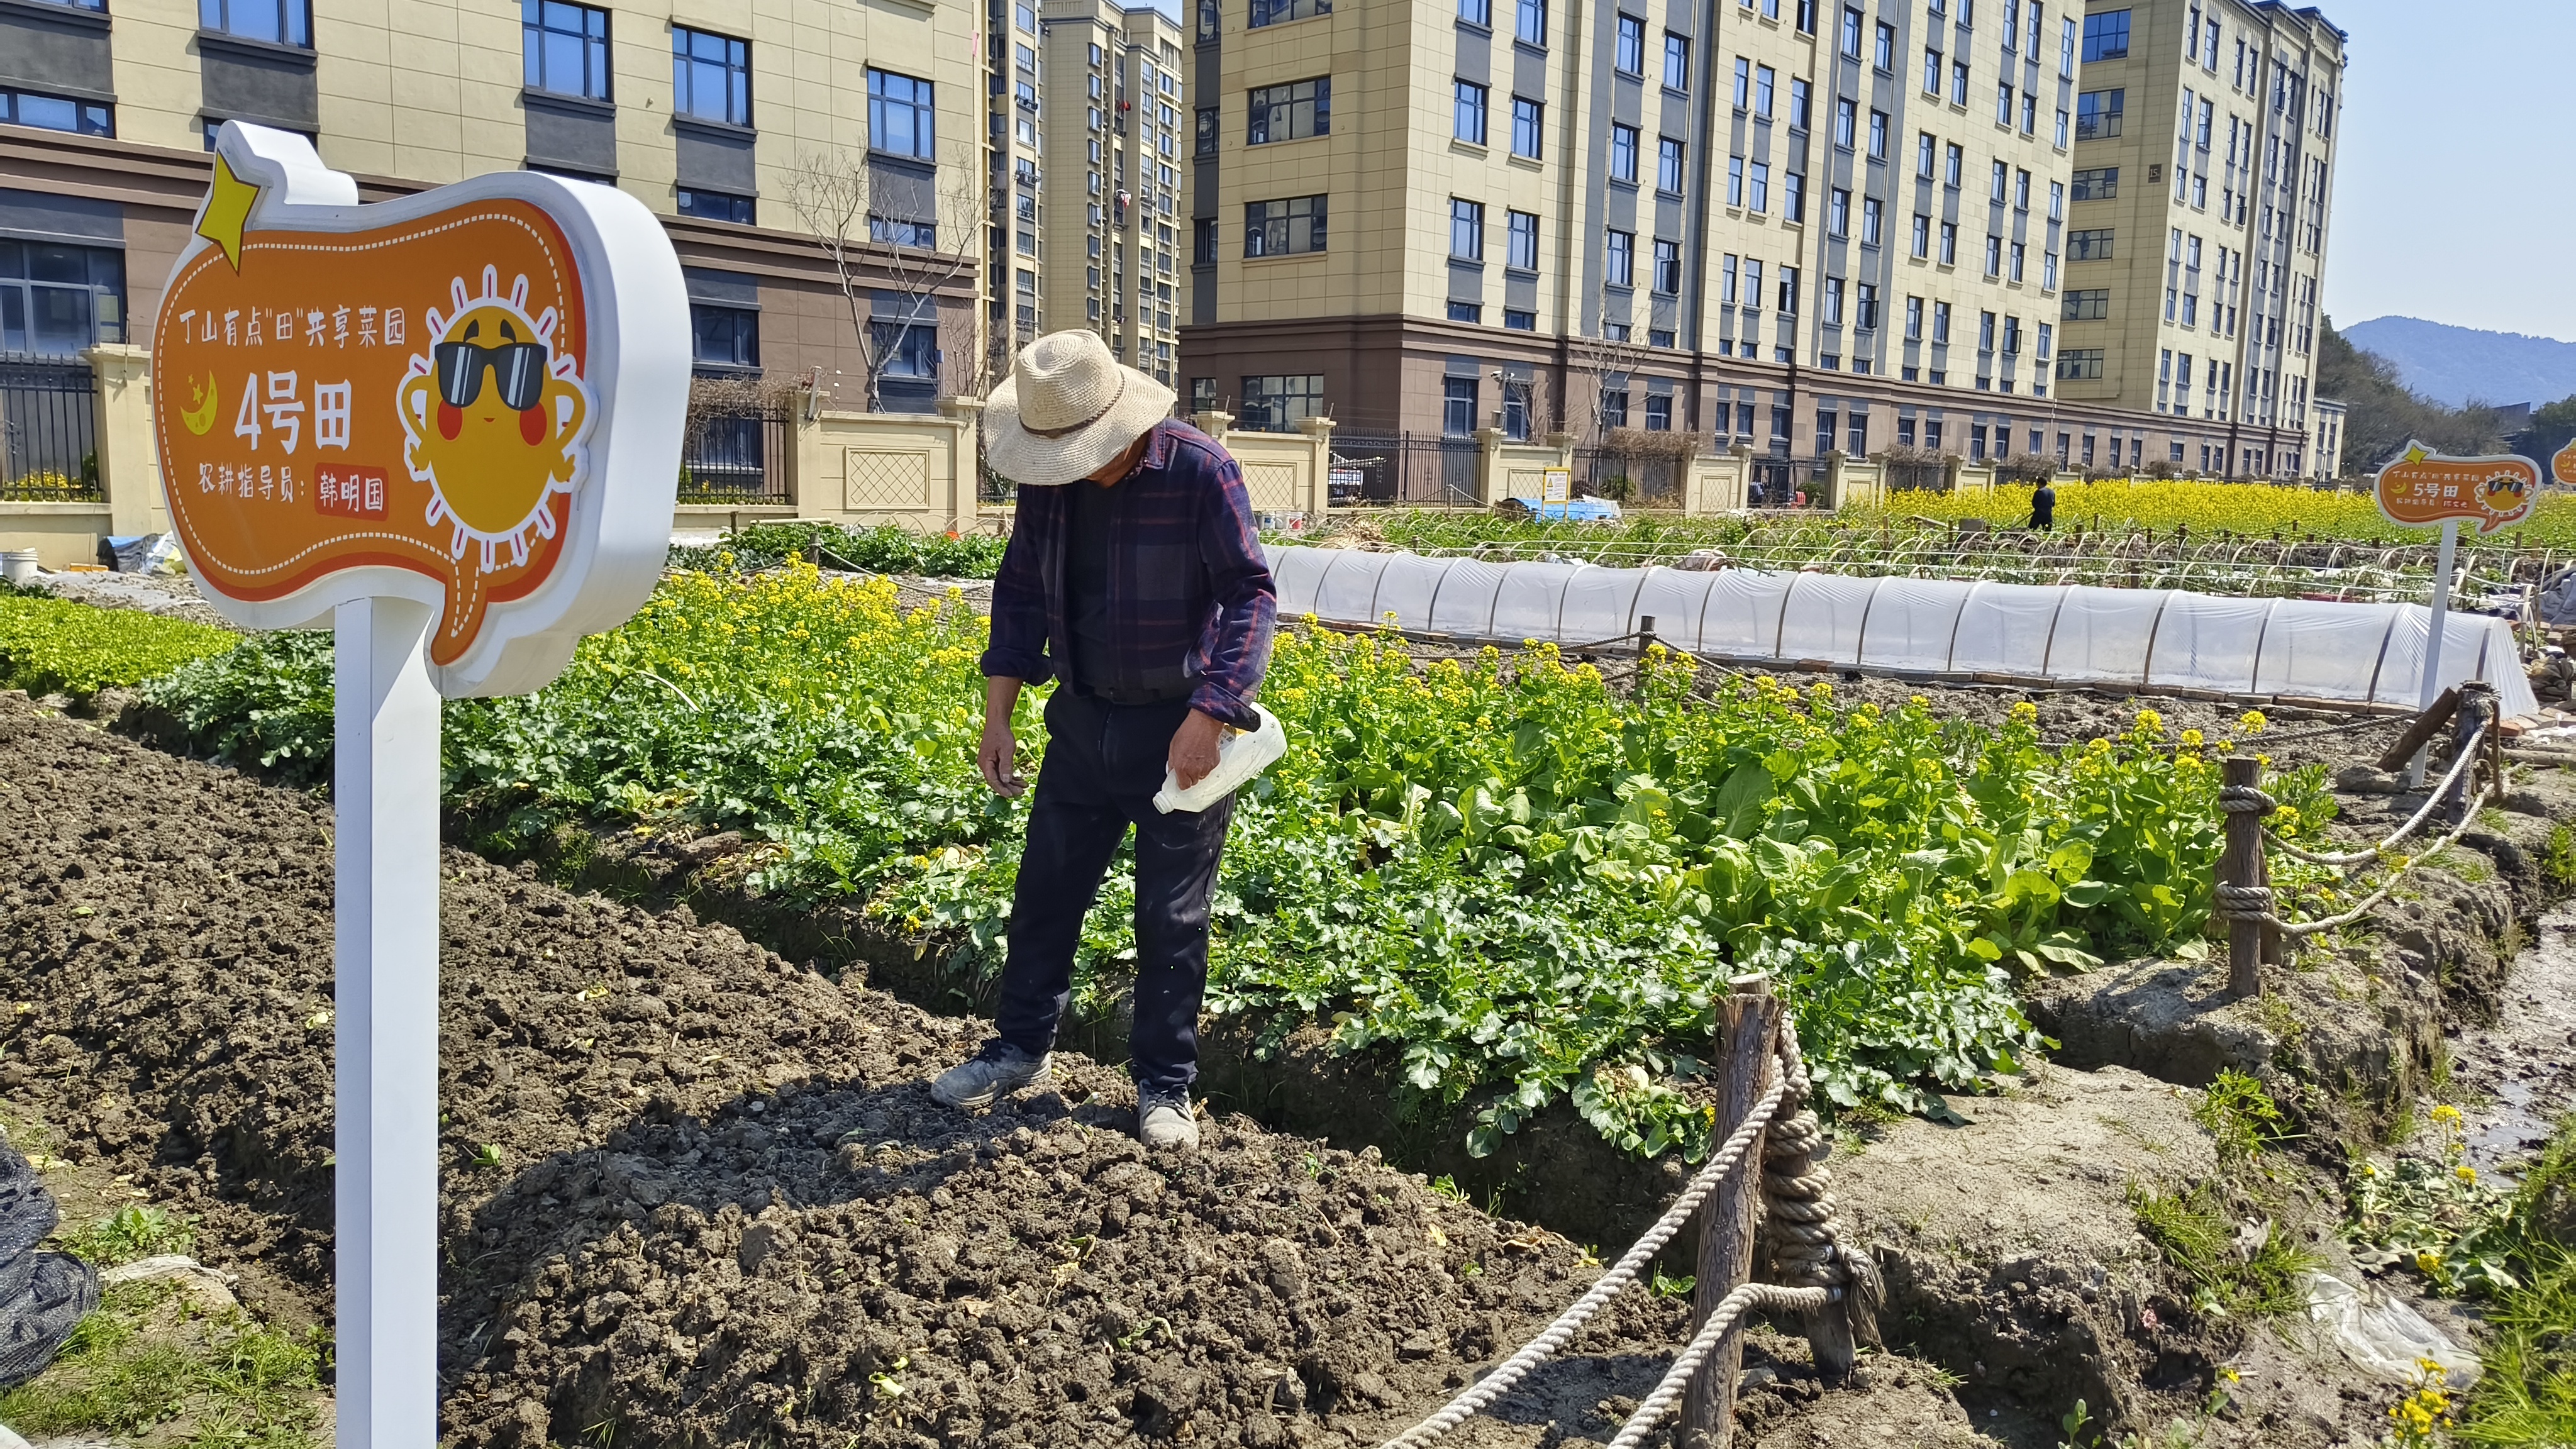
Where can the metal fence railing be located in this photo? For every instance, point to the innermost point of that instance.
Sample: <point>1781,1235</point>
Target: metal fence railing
<point>48,430</point>
<point>1409,469</point>
<point>736,458</point>
<point>1648,481</point>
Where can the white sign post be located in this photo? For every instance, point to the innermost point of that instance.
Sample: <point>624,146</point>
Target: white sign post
<point>2442,583</point>
<point>448,425</point>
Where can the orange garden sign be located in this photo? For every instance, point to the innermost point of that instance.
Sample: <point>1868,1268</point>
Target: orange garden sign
<point>2424,487</point>
<point>449,427</point>
<point>409,399</point>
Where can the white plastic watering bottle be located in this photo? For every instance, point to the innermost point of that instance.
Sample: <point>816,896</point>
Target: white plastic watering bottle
<point>1239,757</point>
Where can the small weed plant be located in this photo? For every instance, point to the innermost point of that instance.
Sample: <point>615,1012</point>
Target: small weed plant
<point>2259,1274</point>
<point>2433,1215</point>
<point>2240,1118</point>
<point>133,1232</point>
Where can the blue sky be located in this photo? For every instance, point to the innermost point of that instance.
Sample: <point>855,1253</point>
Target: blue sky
<point>2457,202</point>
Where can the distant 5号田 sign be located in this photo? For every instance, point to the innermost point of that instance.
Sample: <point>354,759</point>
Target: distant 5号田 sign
<point>2424,487</point>
<point>470,397</point>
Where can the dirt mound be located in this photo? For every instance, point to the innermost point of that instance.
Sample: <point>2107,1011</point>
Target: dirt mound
<point>654,1230</point>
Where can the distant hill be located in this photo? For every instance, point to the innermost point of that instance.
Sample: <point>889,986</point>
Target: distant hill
<point>2452,365</point>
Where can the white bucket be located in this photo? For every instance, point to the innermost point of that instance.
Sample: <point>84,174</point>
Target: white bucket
<point>18,565</point>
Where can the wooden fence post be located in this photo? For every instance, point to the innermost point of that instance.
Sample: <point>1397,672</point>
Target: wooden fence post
<point>1748,1022</point>
<point>2241,864</point>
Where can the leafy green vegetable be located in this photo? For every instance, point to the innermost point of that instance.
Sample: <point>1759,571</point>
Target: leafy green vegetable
<point>53,645</point>
<point>1524,884</point>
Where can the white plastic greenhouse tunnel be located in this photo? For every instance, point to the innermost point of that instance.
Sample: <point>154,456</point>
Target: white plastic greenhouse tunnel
<point>2071,634</point>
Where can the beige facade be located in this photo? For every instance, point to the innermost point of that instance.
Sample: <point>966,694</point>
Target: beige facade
<point>1802,226</point>
<point>706,112</point>
<point>1117,133</point>
<point>2201,224</point>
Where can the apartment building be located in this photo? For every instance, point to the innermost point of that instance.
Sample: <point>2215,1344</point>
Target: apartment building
<point>2204,171</point>
<point>1016,237</point>
<point>1795,225</point>
<point>716,116</point>
<point>1115,143</point>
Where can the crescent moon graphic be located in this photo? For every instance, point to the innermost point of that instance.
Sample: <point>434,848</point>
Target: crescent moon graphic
<point>204,417</point>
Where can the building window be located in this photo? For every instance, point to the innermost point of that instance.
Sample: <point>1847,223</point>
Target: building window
<point>1280,12</point>
<point>1851,33</point>
<point>710,76</point>
<point>2106,35</point>
<point>1277,403</point>
<point>1931,72</point>
<point>1291,112</point>
<point>1922,241</point>
<point>1468,123</point>
<point>1846,123</point>
<point>1632,46</point>
<point>1940,327</point>
<point>1833,301</point>
<point>2088,306</point>
<point>1953,167</point>
<point>2089,246</point>
<point>1207,128</point>
<point>1203,241</point>
<point>1531,22</point>
<point>900,117</point>
<point>1623,153</point>
<point>1949,243</point>
<point>1283,228</point>
<point>1458,406</point>
<point>285,22</point>
<point>1668,165</point>
<point>1668,268</point>
<point>1878,135</point>
<point>1789,291</point>
<point>715,206</point>
<point>1867,320</point>
<point>1870,212</point>
<point>566,45</point>
<point>2097,114</point>
<point>1837,212</point>
<point>1527,127</point>
<point>2080,364</point>
<point>1614,407</point>
<point>1519,321</point>
<point>1522,255</point>
<point>1793,196</point>
<point>1479,13</point>
<point>724,338</point>
<point>1466,312</point>
<point>2101,183</point>
<point>1676,61</point>
<point>56,300</point>
<point>1619,258</point>
<point>1466,230</point>
<point>54,113</point>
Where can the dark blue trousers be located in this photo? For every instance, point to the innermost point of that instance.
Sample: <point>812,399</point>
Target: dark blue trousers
<point>1103,764</point>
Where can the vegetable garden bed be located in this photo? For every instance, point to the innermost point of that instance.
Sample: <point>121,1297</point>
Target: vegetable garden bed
<point>1521,881</point>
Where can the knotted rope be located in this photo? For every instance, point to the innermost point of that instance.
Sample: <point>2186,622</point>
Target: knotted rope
<point>1821,1260</point>
<point>2258,902</point>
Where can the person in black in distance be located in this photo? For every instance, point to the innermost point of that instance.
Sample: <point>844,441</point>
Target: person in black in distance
<point>2043,506</point>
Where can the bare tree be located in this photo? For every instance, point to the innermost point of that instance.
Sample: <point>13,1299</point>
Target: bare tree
<point>884,237</point>
<point>1593,363</point>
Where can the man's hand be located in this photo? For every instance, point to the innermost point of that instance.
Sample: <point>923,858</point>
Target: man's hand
<point>1194,748</point>
<point>998,755</point>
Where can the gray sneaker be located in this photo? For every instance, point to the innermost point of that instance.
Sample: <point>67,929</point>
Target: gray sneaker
<point>990,1075</point>
<point>1164,1121</point>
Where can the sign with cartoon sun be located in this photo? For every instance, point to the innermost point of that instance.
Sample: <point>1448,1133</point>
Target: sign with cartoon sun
<point>471,398</point>
<point>2423,488</point>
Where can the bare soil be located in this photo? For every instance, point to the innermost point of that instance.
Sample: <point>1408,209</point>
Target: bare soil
<point>694,1195</point>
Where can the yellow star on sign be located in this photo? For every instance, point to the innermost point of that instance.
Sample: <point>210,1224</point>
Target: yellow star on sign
<point>227,208</point>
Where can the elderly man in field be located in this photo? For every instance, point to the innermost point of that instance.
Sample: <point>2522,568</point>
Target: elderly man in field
<point>1135,579</point>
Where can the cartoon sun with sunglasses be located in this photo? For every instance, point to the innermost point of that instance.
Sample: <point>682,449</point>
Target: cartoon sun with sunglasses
<point>495,421</point>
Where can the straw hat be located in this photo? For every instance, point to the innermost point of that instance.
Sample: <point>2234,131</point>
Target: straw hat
<point>1067,409</point>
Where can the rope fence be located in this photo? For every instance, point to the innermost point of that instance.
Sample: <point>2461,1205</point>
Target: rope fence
<point>1836,1292</point>
<point>2244,897</point>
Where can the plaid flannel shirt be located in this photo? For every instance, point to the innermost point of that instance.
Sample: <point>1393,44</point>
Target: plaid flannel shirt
<point>1190,597</point>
